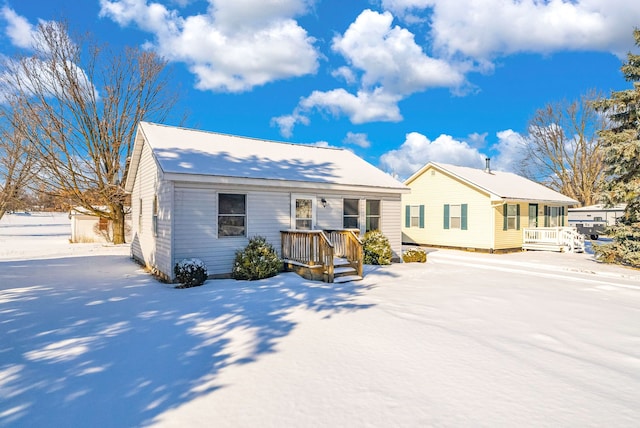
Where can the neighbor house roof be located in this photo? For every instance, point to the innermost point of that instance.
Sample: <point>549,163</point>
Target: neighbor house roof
<point>187,154</point>
<point>499,185</point>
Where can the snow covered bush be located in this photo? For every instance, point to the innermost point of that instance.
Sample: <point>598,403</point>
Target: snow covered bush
<point>377,250</point>
<point>190,273</point>
<point>256,261</point>
<point>414,255</point>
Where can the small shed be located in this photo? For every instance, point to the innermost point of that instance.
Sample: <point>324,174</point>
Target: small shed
<point>87,227</point>
<point>198,194</point>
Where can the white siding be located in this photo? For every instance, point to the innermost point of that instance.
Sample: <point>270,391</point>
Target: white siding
<point>163,240</point>
<point>196,223</point>
<point>391,224</point>
<point>330,217</point>
<point>268,213</point>
<point>143,244</point>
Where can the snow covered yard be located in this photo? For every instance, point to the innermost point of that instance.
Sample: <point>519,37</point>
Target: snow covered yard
<point>531,339</point>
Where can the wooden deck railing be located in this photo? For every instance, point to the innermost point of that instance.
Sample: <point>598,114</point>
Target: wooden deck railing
<point>309,248</point>
<point>319,248</point>
<point>347,245</point>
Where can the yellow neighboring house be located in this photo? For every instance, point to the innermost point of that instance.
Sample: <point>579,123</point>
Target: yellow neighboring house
<point>454,206</point>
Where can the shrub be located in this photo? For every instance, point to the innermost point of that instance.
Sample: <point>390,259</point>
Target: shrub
<point>414,255</point>
<point>190,272</point>
<point>377,250</point>
<point>257,260</point>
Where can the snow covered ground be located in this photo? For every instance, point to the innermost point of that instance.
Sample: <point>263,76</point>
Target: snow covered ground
<point>466,340</point>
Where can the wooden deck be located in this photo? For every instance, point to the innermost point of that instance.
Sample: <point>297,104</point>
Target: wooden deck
<point>323,255</point>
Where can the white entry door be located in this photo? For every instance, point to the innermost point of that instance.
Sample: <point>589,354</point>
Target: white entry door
<point>303,212</point>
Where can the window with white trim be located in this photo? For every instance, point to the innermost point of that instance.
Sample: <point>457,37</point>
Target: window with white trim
<point>455,216</point>
<point>350,213</point>
<point>373,215</point>
<point>232,215</point>
<point>512,217</point>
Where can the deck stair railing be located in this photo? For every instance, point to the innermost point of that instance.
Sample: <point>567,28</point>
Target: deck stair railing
<point>323,255</point>
<point>553,239</point>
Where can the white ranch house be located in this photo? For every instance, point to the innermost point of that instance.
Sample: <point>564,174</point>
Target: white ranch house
<point>197,194</point>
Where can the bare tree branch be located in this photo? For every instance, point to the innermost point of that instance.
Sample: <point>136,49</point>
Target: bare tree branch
<point>80,107</point>
<point>564,150</point>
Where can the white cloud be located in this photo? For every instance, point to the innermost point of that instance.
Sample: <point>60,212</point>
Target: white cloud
<point>358,139</point>
<point>286,123</point>
<point>389,57</point>
<point>477,140</point>
<point>486,29</point>
<point>390,66</point>
<point>360,108</point>
<point>509,150</point>
<point>418,150</point>
<point>345,73</point>
<point>235,46</point>
<point>19,30</point>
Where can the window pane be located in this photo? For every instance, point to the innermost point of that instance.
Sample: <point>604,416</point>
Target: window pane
<point>231,225</point>
<point>455,222</point>
<point>512,210</point>
<point>415,211</point>
<point>350,223</point>
<point>231,204</point>
<point>303,224</point>
<point>454,211</point>
<point>351,207</point>
<point>415,221</point>
<point>511,223</point>
<point>373,223</point>
<point>303,208</point>
<point>373,207</point>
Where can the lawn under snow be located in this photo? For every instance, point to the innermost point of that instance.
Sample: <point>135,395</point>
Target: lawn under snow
<point>466,340</point>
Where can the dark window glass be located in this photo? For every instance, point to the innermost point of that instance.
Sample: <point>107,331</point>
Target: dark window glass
<point>231,214</point>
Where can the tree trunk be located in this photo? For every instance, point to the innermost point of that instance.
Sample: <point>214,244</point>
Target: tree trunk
<point>117,225</point>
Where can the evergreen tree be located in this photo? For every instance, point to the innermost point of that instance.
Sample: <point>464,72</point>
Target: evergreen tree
<point>621,145</point>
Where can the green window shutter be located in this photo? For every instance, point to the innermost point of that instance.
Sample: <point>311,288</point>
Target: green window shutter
<point>446,216</point>
<point>518,217</point>
<point>421,216</point>
<point>463,216</point>
<point>505,225</point>
<point>407,216</point>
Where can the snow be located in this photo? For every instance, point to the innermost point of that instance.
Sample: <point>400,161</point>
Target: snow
<point>87,338</point>
<point>203,153</point>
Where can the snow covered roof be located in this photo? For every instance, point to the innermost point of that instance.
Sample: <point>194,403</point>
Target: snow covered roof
<point>500,185</point>
<point>601,207</point>
<point>209,154</point>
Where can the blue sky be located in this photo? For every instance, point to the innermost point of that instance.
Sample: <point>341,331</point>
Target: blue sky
<point>399,82</point>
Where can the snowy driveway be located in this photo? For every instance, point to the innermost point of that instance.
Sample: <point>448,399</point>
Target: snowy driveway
<point>465,340</point>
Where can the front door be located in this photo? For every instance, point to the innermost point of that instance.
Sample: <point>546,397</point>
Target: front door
<point>303,212</point>
<point>533,215</point>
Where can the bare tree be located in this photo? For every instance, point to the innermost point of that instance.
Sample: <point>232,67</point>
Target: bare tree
<point>564,150</point>
<point>80,106</point>
<point>17,164</point>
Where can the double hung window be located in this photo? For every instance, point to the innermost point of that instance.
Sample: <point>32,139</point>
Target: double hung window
<point>232,215</point>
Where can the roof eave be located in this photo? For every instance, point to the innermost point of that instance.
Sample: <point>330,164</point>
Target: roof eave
<point>278,183</point>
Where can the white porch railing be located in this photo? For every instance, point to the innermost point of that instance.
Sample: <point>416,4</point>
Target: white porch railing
<point>552,239</point>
